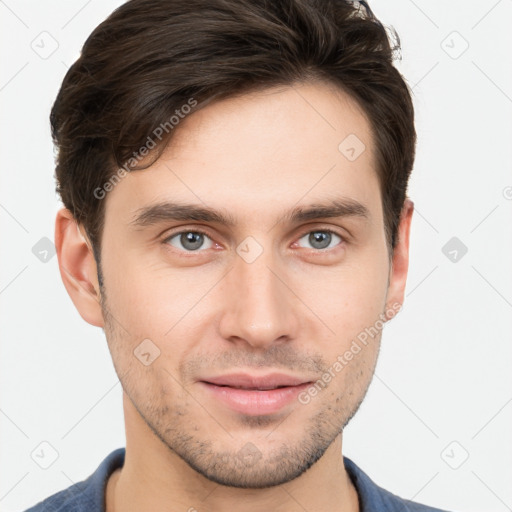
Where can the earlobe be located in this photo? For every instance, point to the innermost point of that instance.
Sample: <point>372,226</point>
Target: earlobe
<point>400,260</point>
<point>77,267</point>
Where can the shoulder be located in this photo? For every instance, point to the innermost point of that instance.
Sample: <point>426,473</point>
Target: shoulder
<point>372,497</point>
<point>87,495</point>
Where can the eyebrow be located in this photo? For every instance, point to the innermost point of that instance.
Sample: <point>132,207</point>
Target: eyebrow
<point>175,211</point>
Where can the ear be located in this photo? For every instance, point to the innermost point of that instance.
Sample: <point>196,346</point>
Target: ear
<point>77,267</point>
<point>400,262</point>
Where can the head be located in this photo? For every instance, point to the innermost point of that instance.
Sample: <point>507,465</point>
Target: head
<point>237,171</point>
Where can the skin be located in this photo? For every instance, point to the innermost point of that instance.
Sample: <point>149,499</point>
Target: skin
<point>294,309</point>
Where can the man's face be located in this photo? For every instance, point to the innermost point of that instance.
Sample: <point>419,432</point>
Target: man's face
<point>263,295</point>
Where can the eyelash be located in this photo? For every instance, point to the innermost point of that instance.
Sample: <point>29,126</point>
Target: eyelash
<point>200,231</point>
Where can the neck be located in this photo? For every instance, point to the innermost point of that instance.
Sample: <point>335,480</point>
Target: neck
<point>155,478</point>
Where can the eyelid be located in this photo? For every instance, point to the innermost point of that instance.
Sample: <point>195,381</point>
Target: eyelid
<point>310,229</point>
<point>325,230</point>
<point>344,239</point>
<point>181,231</point>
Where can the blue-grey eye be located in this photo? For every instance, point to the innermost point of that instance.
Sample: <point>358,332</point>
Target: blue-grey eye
<point>190,240</point>
<point>320,239</point>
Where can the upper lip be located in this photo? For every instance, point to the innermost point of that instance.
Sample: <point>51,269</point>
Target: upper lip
<point>246,381</point>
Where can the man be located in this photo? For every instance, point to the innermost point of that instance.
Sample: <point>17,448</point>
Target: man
<point>234,177</point>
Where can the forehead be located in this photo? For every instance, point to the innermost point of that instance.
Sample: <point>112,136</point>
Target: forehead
<point>260,152</point>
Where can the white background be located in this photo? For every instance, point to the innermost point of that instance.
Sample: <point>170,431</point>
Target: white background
<point>442,389</point>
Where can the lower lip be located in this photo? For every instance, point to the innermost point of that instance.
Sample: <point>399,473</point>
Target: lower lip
<point>254,402</point>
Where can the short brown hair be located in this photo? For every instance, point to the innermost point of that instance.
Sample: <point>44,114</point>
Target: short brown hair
<point>150,57</point>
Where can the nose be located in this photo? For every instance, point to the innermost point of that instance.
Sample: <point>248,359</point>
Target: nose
<point>259,305</point>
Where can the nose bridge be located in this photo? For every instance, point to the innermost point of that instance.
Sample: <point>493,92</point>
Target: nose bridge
<point>259,305</point>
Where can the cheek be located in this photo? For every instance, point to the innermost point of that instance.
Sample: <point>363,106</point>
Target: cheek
<point>349,298</point>
<point>149,297</point>
<point>166,305</point>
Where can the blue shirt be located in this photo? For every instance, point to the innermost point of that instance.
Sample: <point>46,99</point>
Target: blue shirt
<point>89,495</point>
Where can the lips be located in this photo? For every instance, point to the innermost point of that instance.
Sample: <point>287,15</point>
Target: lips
<point>253,382</point>
<point>252,394</point>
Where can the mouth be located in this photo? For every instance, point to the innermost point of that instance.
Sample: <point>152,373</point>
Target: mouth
<point>261,388</point>
<point>254,395</point>
<point>262,382</point>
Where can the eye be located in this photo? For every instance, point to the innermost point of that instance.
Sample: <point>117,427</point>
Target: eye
<point>189,241</point>
<point>321,239</point>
